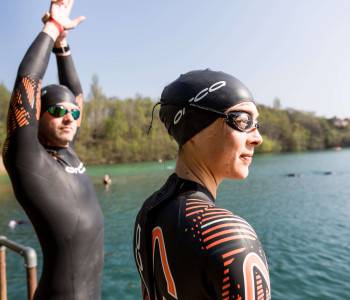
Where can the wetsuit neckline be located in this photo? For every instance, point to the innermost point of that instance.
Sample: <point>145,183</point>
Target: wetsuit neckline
<point>55,148</point>
<point>187,185</point>
<point>57,152</point>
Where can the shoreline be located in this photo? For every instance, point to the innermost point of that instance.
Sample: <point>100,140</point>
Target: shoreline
<point>4,172</point>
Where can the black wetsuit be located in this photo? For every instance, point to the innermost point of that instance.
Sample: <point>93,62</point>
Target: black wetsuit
<point>187,248</point>
<point>51,185</point>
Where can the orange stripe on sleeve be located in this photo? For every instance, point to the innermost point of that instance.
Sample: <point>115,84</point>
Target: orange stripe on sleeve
<point>217,217</point>
<point>226,286</point>
<point>194,207</point>
<point>230,238</point>
<point>228,262</point>
<point>194,212</point>
<point>233,252</point>
<point>231,224</point>
<point>225,293</point>
<point>243,231</point>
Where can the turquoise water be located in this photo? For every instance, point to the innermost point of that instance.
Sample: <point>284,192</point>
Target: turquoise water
<point>303,222</point>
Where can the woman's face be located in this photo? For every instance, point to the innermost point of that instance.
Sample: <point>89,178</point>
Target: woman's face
<point>227,152</point>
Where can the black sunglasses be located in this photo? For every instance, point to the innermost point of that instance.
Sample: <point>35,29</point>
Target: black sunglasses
<point>238,120</point>
<point>59,111</point>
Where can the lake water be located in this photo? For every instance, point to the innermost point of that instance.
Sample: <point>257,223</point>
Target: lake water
<point>303,222</point>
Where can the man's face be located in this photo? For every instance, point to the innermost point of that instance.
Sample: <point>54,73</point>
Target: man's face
<point>58,131</point>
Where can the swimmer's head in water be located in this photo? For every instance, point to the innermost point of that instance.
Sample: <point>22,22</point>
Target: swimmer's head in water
<point>189,102</point>
<point>54,94</point>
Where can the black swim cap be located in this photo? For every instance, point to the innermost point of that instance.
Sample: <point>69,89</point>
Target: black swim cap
<point>53,94</point>
<point>206,88</point>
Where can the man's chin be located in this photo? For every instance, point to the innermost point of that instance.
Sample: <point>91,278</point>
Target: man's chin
<point>65,139</point>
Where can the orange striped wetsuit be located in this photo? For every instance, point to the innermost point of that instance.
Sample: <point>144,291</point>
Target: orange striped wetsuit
<point>186,247</point>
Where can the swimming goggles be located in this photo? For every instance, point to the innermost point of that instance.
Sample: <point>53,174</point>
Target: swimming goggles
<point>59,111</point>
<point>238,120</point>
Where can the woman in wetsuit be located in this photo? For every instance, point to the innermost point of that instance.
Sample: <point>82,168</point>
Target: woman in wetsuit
<point>185,246</point>
<point>48,178</point>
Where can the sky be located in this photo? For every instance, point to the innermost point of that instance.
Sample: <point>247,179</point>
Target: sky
<point>296,50</point>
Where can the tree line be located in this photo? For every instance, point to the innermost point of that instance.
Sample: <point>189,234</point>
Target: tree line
<point>115,130</point>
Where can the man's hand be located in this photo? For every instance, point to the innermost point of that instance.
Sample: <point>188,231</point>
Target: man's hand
<point>60,11</point>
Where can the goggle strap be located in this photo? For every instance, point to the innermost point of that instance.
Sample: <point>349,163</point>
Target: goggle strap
<point>151,123</point>
<point>209,109</point>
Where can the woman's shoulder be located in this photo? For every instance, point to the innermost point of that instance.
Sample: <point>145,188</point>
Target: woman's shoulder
<point>215,226</point>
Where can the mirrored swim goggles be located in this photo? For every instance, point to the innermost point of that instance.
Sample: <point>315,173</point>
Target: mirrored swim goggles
<point>238,120</point>
<point>58,111</point>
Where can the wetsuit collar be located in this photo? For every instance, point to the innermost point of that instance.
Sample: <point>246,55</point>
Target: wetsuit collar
<point>188,185</point>
<point>54,148</point>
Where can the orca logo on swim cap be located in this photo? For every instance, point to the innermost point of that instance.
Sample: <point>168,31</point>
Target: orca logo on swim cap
<point>201,95</point>
<point>206,91</point>
<point>179,115</point>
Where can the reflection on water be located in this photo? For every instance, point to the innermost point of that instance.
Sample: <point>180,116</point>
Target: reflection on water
<point>302,221</point>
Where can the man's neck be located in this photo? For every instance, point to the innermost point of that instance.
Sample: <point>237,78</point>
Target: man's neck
<point>48,144</point>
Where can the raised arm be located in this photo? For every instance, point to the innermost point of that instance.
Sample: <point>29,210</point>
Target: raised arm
<point>67,73</point>
<point>24,109</point>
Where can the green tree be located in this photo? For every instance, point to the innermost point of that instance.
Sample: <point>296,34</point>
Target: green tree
<point>115,130</point>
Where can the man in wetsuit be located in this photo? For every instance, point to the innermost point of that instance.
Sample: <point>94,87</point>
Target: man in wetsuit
<point>48,178</point>
<point>185,246</point>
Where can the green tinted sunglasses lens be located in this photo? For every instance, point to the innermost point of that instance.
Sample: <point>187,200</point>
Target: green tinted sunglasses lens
<point>59,112</point>
<point>75,113</point>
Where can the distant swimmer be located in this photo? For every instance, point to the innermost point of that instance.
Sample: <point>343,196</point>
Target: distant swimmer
<point>13,223</point>
<point>328,173</point>
<point>185,246</point>
<point>107,180</point>
<point>48,178</point>
<point>293,175</point>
